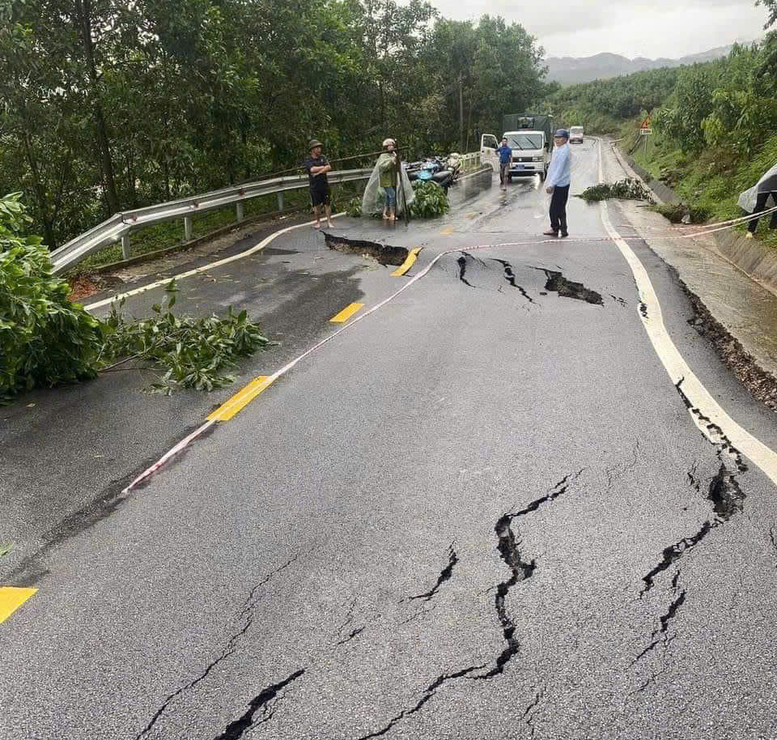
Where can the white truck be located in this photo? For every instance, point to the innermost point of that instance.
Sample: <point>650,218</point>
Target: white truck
<point>576,134</point>
<point>530,137</point>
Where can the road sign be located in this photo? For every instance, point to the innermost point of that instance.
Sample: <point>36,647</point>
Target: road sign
<point>646,131</point>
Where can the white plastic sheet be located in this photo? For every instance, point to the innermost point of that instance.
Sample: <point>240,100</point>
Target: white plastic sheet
<point>375,196</point>
<point>768,183</point>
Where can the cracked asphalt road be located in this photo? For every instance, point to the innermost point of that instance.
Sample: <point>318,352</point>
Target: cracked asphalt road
<point>484,512</point>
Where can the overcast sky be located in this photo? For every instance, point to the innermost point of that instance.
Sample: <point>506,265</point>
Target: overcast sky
<point>661,28</point>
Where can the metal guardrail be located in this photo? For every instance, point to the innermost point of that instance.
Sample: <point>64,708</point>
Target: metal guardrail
<point>470,161</point>
<point>119,226</point>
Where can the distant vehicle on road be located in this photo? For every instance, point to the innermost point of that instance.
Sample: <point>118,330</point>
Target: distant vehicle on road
<point>576,134</point>
<point>531,138</point>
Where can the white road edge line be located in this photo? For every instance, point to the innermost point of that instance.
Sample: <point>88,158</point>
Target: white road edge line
<point>247,253</point>
<point>676,366</point>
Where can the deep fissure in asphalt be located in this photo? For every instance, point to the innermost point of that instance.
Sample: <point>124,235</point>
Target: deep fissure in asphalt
<point>510,277</point>
<point>557,283</point>
<point>510,553</point>
<point>727,499</point>
<point>462,262</point>
<point>445,575</point>
<point>237,729</point>
<point>508,547</point>
<point>385,254</point>
<point>246,617</point>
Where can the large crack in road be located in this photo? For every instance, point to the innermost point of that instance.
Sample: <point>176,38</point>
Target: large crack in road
<point>557,283</point>
<point>445,575</point>
<point>727,499</point>
<point>385,254</point>
<point>245,618</point>
<point>508,546</point>
<point>246,722</point>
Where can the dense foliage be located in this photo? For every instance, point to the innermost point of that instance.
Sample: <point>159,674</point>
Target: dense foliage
<point>107,105</point>
<point>627,189</point>
<point>44,339</point>
<point>430,200</point>
<point>601,106</point>
<point>714,135</point>
<point>193,353</point>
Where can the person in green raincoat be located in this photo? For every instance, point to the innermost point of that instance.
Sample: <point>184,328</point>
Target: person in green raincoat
<point>384,183</point>
<point>387,164</point>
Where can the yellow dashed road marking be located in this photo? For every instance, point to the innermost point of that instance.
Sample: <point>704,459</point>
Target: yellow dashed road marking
<point>240,400</point>
<point>346,313</point>
<point>12,598</point>
<point>408,263</point>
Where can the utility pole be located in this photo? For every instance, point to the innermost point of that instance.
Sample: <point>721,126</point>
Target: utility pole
<point>461,114</point>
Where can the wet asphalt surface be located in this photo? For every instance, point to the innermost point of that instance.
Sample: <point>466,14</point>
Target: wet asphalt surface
<point>482,512</point>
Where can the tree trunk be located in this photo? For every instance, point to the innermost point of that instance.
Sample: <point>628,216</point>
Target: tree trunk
<point>83,11</point>
<point>40,195</point>
<point>462,147</point>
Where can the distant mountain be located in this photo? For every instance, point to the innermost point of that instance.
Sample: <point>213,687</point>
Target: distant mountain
<point>570,70</point>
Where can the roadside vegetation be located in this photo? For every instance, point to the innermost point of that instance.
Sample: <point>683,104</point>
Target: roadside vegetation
<point>627,189</point>
<point>108,106</point>
<point>713,125</point>
<point>45,340</point>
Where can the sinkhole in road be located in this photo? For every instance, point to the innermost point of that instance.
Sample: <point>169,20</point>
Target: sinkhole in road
<point>385,254</point>
<point>557,283</point>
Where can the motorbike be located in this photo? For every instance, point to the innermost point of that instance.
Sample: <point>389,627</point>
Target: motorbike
<point>435,169</point>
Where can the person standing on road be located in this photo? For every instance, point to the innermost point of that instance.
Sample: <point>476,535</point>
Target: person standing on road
<point>557,184</point>
<point>387,164</point>
<point>316,165</point>
<point>505,161</point>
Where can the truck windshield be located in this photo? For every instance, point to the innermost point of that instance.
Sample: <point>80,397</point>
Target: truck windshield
<point>576,130</point>
<point>525,141</point>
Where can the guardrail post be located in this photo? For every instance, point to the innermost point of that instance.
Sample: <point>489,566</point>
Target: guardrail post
<point>187,228</point>
<point>280,200</point>
<point>126,251</point>
<point>241,211</point>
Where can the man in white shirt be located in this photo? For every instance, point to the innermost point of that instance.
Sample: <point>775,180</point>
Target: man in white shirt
<point>557,184</point>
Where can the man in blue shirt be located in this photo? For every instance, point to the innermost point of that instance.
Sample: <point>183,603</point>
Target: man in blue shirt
<point>557,184</point>
<point>505,160</point>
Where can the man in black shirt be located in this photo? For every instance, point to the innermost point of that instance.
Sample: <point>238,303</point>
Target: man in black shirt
<point>317,166</point>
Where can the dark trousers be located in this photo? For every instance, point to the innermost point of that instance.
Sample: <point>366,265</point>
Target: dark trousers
<point>558,208</point>
<point>760,206</point>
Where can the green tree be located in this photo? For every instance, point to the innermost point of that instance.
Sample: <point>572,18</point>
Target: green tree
<point>771,7</point>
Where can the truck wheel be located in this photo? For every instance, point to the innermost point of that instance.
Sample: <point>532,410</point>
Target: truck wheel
<point>543,175</point>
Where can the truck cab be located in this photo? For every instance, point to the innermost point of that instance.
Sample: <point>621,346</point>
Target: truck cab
<point>576,134</point>
<point>530,141</point>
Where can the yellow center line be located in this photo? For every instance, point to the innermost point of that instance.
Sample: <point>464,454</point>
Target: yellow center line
<point>240,400</point>
<point>408,263</point>
<point>12,598</point>
<point>346,313</point>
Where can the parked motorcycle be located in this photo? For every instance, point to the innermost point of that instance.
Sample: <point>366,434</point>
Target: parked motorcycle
<point>444,173</point>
